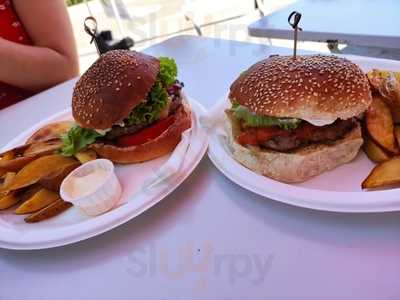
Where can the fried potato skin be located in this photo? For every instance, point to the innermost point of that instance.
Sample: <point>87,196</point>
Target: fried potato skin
<point>16,164</point>
<point>42,148</point>
<point>86,155</point>
<point>387,83</point>
<point>53,181</point>
<point>8,200</point>
<point>39,200</point>
<point>397,133</point>
<point>48,212</point>
<point>50,131</point>
<point>15,159</point>
<point>395,114</point>
<point>38,169</point>
<point>27,192</point>
<point>384,174</point>
<point>373,151</point>
<point>379,124</point>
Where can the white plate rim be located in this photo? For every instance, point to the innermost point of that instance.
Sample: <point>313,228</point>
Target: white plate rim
<point>113,218</point>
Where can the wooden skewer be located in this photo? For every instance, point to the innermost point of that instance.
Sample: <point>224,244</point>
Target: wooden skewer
<point>295,25</point>
<point>92,31</point>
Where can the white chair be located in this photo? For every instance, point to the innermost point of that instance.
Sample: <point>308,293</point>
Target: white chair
<point>118,9</point>
<point>260,7</point>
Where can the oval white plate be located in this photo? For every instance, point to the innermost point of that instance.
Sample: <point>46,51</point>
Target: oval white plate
<point>338,190</point>
<point>73,226</point>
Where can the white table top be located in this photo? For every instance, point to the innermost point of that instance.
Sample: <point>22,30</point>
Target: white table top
<point>257,248</point>
<point>373,23</point>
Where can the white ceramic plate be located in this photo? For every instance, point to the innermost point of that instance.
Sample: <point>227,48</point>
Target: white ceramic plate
<point>337,190</point>
<point>73,226</point>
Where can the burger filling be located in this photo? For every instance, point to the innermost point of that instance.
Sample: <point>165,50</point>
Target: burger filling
<point>283,134</point>
<point>160,104</point>
<point>145,122</point>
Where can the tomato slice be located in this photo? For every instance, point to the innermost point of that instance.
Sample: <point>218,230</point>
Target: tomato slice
<point>248,137</point>
<point>256,136</point>
<point>267,133</point>
<point>145,135</point>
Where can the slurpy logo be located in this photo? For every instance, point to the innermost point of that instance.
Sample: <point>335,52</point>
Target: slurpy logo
<point>202,264</point>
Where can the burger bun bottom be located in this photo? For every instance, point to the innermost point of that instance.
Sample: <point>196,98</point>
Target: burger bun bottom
<point>299,165</point>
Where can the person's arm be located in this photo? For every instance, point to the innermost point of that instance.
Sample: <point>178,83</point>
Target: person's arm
<point>52,59</point>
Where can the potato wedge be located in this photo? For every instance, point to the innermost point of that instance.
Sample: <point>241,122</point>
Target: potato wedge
<point>377,76</point>
<point>50,131</point>
<point>395,114</point>
<point>397,133</point>
<point>373,151</point>
<point>7,156</point>
<point>5,181</point>
<point>374,78</point>
<point>42,148</point>
<point>8,177</point>
<point>36,170</point>
<point>53,181</point>
<point>15,151</point>
<point>17,158</point>
<point>39,200</point>
<point>86,155</point>
<point>16,163</point>
<point>384,174</point>
<point>8,200</point>
<point>379,125</point>
<point>48,212</point>
<point>27,192</point>
<point>390,90</point>
<point>387,83</point>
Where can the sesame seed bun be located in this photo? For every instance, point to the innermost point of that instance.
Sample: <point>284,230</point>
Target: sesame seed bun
<point>117,82</point>
<point>162,145</point>
<point>310,87</point>
<point>299,165</point>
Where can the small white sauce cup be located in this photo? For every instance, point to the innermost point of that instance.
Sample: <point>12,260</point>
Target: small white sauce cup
<point>101,199</point>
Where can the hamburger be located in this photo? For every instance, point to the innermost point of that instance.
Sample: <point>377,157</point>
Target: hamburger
<point>128,108</point>
<point>292,119</point>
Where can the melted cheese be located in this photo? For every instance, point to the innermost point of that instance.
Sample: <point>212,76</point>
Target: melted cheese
<point>317,122</point>
<point>102,131</point>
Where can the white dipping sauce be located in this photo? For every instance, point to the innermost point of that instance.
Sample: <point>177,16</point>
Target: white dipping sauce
<point>84,185</point>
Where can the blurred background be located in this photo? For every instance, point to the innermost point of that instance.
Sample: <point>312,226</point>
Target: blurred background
<point>151,21</point>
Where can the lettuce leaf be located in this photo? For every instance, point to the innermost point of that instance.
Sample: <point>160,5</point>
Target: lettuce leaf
<point>76,139</point>
<point>168,70</point>
<point>149,111</point>
<point>251,119</point>
<point>157,99</point>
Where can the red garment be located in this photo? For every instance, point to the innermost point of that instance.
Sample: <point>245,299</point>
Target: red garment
<point>11,29</point>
